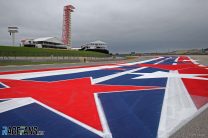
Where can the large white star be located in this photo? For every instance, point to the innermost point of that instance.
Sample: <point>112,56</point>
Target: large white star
<point>175,74</point>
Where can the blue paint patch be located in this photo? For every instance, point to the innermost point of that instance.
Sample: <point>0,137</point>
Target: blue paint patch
<point>127,80</point>
<point>168,62</point>
<point>150,70</point>
<point>93,74</point>
<point>133,114</point>
<point>130,67</point>
<point>2,86</point>
<point>53,125</point>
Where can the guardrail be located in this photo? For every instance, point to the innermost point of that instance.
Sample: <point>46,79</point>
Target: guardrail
<point>57,59</point>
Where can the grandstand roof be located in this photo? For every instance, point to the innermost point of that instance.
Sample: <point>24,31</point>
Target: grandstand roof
<point>98,42</point>
<point>49,39</point>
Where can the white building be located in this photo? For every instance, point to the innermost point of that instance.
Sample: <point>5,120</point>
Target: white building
<point>44,42</point>
<point>28,43</point>
<point>98,46</point>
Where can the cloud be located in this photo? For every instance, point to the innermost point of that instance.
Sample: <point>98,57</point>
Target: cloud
<point>126,25</point>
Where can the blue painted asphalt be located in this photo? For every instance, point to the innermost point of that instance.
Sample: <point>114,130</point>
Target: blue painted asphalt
<point>54,126</point>
<point>133,114</point>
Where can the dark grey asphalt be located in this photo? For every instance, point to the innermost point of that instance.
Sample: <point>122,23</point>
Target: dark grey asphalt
<point>202,59</point>
<point>196,128</point>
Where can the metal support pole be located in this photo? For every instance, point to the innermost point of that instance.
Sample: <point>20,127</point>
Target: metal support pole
<point>13,39</point>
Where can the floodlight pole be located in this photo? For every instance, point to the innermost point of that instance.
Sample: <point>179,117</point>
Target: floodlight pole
<point>13,39</point>
<point>12,31</point>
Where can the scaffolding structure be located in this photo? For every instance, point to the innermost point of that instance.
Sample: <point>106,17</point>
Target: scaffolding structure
<point>66,32</point>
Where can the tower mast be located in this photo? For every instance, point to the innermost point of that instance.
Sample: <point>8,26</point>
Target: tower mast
<point>66,32</point>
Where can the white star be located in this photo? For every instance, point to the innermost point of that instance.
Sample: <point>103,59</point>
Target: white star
<point>175,74</point>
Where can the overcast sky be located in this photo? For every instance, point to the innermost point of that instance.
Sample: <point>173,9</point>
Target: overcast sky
<point>126,25</point>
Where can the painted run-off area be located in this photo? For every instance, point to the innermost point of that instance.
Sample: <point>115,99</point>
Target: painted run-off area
<point>167,97</point>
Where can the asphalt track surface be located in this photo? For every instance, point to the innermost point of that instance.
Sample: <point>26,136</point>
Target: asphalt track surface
<point>62,65</point>
<point>147,99</point>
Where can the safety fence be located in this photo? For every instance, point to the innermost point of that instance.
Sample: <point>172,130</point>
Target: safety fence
<point>56,59</point>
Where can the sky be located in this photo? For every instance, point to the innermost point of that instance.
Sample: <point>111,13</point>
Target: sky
<point>125,25</point>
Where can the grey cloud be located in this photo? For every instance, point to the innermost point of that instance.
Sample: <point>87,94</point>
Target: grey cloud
<point>126,25</point>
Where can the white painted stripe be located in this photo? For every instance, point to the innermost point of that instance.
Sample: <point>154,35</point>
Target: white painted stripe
<point>140,62</point>
<point>20,76</point>
<point>101,79</point>
<point>5,86</point>
<point>176,60</point>
<point>14,103</point>
<point>162,60</point>
<point>177,106</point>
<point>161,74</point>
<point>193,61</point>
<point>201,65</point>
<point>144,89</point>
<point>203,108</point>
<point>106,130</point>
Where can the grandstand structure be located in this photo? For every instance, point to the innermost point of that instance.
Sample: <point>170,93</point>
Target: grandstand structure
<point>54,42</point>
<point>97,46</point>
<point>44,42</point>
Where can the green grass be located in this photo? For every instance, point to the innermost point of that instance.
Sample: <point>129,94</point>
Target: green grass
<point>5,63</point>
<point>37,52</point>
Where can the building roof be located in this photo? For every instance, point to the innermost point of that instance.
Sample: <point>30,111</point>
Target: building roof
<point>49,39</point>
<point>98,42</point>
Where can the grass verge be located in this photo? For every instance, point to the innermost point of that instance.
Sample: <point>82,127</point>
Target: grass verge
<point>39,52</point>
<point>6,63</point>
